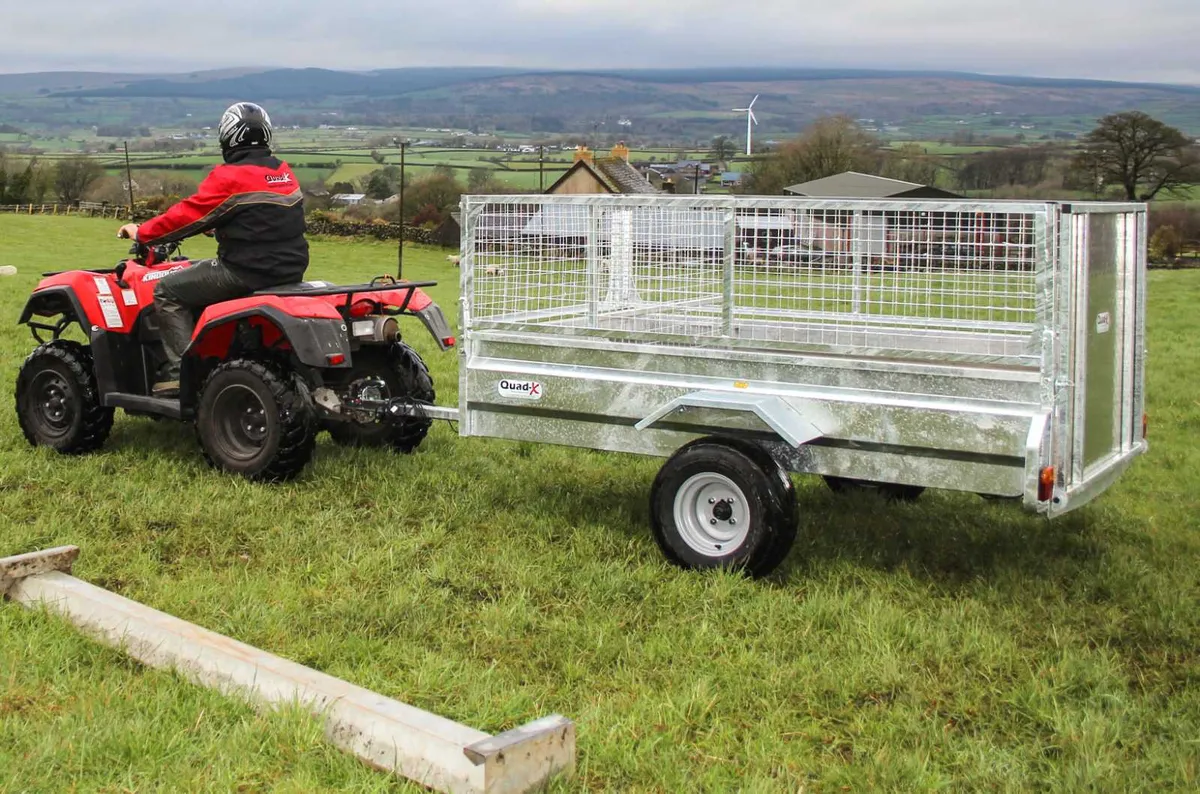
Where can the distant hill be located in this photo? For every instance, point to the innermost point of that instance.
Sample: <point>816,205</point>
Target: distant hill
<point>315,84</point>
<point>297,84</point>
<point>675,104</point>
<point>44,83</point>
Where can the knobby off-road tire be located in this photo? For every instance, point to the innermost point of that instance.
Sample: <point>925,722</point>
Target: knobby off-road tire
<point>723,504</point>
<point>889,491</point>
<point>405,373</point>
<point>256,421</point>
<point>58,401</point>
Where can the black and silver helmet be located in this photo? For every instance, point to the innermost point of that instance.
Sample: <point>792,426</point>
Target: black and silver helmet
<point>245,124</point>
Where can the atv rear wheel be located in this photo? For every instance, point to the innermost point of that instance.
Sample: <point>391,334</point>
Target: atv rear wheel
<point>58,402</point>
<point>406,376</point>
<point>255,421</point>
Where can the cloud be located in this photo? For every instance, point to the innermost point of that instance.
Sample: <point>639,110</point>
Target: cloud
<point>1151,40</point>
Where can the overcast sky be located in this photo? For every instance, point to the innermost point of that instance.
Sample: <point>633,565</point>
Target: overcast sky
<point>1152,40</point>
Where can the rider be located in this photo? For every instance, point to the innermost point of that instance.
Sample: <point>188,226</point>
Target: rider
<point>253,205</point>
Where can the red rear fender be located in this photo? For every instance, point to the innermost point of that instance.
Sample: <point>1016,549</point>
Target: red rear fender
<point>309,328</point>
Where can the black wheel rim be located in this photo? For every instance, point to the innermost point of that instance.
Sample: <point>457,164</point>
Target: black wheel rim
<point>53,404</point>
<point>242,427</point>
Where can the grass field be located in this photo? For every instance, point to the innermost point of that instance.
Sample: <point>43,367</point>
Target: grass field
<point>949,643</point>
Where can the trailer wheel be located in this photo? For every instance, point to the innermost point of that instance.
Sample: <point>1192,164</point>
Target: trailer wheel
<point>890,491</point>
<point>58,402</point>
<point>405,374</point>
<point>715,506</point>
<point>255,421</point>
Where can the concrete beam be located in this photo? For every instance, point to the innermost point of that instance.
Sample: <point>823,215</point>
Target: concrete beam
<point>385,733</point>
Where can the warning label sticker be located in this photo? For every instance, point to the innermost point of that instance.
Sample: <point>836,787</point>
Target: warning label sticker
<point>1103,323</point>
<point>112,315</point>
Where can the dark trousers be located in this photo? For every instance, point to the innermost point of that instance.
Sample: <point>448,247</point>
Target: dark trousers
<point>180,297</point>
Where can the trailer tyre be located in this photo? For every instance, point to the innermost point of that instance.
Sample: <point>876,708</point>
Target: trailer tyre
<point>715,506</point>
<point>890,491</point>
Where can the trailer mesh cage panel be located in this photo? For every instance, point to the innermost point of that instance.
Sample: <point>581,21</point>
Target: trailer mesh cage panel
<point>908,278</point>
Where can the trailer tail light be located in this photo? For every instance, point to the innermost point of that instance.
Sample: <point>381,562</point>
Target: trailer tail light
<point>1046,484</point>
<point>449,341</point>
<point>335,359</point>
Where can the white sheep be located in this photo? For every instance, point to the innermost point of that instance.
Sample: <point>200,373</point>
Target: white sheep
<point>454,259</point>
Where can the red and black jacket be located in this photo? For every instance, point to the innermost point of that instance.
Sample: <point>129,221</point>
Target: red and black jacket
<point>254,206</point>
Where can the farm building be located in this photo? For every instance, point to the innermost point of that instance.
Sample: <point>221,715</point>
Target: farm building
<point>591,175</point>
<point>852,184</point>
<point>449,232</point>
<point>348,199</point>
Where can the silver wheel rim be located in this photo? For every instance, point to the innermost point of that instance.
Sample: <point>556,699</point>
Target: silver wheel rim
<point>711,514</point>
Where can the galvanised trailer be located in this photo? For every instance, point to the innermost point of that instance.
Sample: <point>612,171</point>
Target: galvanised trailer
<point>981,346</point>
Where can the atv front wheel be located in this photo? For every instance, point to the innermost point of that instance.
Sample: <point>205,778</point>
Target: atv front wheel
<point>254,421</point>
<point>58,402</point>
<point>405,375</point>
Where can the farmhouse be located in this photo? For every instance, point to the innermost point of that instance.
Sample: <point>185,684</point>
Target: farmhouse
<point>591,175</point>
<point>348,199</point>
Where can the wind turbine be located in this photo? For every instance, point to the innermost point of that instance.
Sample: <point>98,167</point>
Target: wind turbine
<point>750,120</point>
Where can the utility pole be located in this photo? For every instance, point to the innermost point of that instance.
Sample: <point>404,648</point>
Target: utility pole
<point>542,168</point>
<point>400,249</point>
<point>696,184</point>
<point>129,180</point>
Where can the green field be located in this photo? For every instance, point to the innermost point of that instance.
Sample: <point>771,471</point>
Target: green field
<point>525,179</point>
<point>947,644</point>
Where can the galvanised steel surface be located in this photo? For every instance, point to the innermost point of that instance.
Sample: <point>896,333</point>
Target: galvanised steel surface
<point>965,345</point>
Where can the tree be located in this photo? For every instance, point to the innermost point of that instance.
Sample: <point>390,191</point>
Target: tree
<point>1140,153</point>
<point>439,190</point>
<point>383,183</point>
<point>829,146</point>
<point>481,181</point>
<point>1003,168</point>
<point>1165,244</point>
<point>26,185</point>
<point>723,149</point>
<point>73,176</point>
<point>910,163</point>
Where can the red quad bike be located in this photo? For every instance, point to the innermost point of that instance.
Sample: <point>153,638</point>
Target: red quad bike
<point>262,376</point>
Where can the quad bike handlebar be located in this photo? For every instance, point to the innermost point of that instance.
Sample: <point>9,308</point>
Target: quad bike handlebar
<point>152,254</point>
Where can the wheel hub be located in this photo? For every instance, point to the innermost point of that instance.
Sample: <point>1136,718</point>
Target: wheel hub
<point>242,426</point>
<point>53,402</point>
<point>711,514</point>
<point>254,423</point>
